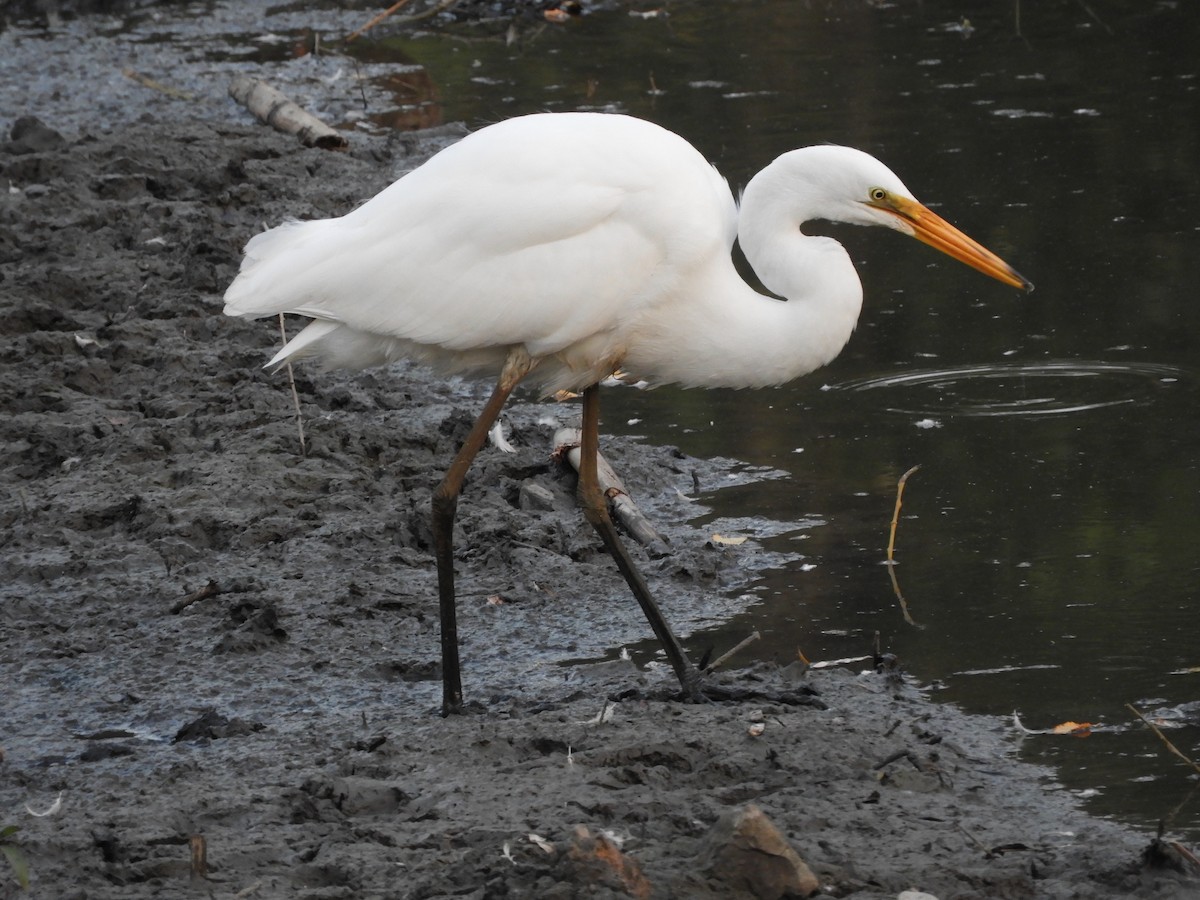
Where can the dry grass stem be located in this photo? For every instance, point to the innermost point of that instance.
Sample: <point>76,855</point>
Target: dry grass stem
<point>295,393</point>
<point>1162,737</point>
<point>145,81</point>
<point>396,7</point>
<point>891,547</point>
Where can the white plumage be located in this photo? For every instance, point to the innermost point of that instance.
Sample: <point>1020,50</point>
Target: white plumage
<point>596,241</point>
<point>557,248</point>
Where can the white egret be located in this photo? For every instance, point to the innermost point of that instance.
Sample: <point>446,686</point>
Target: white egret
<point>557,248</point>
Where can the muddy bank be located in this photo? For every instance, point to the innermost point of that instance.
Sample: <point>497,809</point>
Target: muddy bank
<point>286,713</point>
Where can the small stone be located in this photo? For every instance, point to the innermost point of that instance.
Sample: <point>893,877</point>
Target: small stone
<point>360,796</point>
<point>746,851</point>
<point>534,496</point>
<point>30,135</point>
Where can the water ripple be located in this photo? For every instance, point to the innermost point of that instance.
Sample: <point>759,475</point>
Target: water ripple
<point>1020,389</point>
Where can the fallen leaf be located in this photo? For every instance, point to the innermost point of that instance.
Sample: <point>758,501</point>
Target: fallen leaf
<point>1078,729</point>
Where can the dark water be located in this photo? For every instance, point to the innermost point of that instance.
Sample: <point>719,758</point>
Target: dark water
<point>1048,545</point>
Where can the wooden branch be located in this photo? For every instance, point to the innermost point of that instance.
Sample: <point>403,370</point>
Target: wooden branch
<point>566,443</point>
<point>391,10</point>
<point>275,109</point>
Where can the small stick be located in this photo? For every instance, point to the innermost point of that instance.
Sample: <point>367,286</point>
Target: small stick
<point>1170,817</point>
<point>199,856</point>
<point>741,645</point>
<point>375,21</point>
<point>974,840</point>
<point>157,86</point>
<point>896,514</point>
<point>891,547</point>
<point>404,20</point>
<point>1186,853</point>
<point>566,443</point>
<point>896,757</point>
<point>209,590</point>
<point>1162,737</point>
<point>295,393</point>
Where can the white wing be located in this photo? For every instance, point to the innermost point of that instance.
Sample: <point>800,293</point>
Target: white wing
<point>546,231</point>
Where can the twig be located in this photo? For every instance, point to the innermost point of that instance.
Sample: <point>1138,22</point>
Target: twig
<point>295,393</point>
<point>209,590</point>
<point>199,856</point>
<point>144,81</point>
<point>896,757</point>
<point>566,444</point>
<point>1095,18</point>
<point>1170,817</point>
<point>1162,737</point>
<point>404,20</point>
<point>395,7</point>
<point>891,547</point>
<point>974,840</point>
<point>1186,853</point>
<point>896,513</point>
<point>716,663</point>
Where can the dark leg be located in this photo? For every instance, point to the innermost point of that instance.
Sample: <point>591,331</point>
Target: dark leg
<point>595,509</point>
<point>445,504</point>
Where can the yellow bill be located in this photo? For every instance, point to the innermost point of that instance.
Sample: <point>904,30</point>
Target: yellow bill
<point>930,228</point>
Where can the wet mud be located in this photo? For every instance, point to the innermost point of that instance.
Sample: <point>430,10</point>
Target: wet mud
<point>211,637</point>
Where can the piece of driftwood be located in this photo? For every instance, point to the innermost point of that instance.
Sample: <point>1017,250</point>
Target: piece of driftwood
<point>566,442</point>
<point>275,109</point>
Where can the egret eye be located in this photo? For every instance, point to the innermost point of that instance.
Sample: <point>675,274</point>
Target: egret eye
<point>877,195</point>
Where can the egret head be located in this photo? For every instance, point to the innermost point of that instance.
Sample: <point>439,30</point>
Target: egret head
<point>842,184</point>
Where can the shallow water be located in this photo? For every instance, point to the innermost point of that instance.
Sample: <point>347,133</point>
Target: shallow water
<point>1046,546</point>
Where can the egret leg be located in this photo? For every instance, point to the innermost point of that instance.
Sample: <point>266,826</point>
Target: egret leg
<point>595,510</point>
<point>445,505</point>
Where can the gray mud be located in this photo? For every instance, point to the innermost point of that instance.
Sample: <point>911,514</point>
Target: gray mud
<point>204,631</point>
